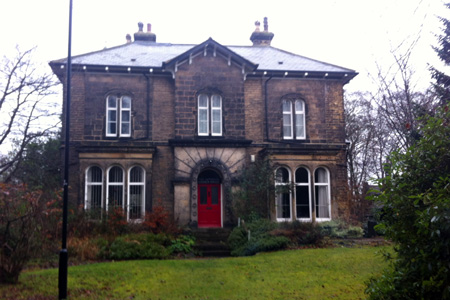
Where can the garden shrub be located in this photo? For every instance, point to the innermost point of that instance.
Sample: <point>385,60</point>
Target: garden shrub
<point>302,233</point>
<point>260,240</point>
<point>340,229</point>
<point>416,217</point>
<point>20,229</point>
<point>138,246</point>
<point>83,248</point>
<point>116,222</point>
<point>158,220</point>
<point>182,245</point>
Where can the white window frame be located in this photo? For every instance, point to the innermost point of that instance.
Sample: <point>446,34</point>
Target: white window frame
<point>307,184</point>
<point>293,113</point>
<point>328,194</point>
<point>299,113</point>
<point>204,109</point>
<point>108,184</point>
<point>210,120</point>
<point>108,121</point>
<point>119,109</point>
<point>134,183</point>
<point>122,122</point>
<point>89,184</point>
<point>277,184</point>
<point>291,125</point>
<point>213,109</point>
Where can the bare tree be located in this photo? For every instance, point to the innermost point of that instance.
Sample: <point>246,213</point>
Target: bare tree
<point>380,122</point>
<point>27,109</point>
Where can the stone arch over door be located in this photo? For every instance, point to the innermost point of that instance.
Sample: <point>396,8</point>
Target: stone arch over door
<point>223,171</point>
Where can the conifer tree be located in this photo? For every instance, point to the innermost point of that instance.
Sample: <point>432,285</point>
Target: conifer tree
<point>442,80</point>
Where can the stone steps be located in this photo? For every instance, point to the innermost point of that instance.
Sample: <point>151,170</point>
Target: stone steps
<point>212,242</point>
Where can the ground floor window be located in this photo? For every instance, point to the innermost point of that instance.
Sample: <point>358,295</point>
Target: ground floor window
<point>94,191</point>
<point>122,192</point>
<point>136,192</point>
<point>302,194</point>
<point>283,197</point>
<point>301,199</point>
<point>322,193</point>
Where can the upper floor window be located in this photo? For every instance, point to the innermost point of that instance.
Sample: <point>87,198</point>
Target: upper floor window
<point>118,116</point>
<point>209,115</point>
<point>294,119</point>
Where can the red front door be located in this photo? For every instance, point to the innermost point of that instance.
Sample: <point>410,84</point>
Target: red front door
<point>209,212</point>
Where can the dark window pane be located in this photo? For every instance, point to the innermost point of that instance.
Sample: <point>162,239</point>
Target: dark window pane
<point>136,194</point>
<point>95,174</point>
<point>286,207</point>
<point>203,195</point>
<point>282,175</point>
<point>115,174</point>
<point>302,200</point>
<point>301,175</point>
<point>136,175</point>
<point>115,193</point>
<point>214,195</point>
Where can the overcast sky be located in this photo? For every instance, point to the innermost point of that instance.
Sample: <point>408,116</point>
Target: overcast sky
<point>349,33</point>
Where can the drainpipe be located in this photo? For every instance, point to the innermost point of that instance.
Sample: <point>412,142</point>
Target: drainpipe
<point>148,106</point>
<point>266,107</point>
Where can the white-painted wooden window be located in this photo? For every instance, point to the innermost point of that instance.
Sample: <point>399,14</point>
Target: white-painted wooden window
<point>287,120</point>
<point>136,193</point>
<point>283,194</point>
<point>209,115</point>
<point>294,119</point>
<point>115,189</point>
<point>299,119</point>
<point>118,116</point>
<point>94,191</point>
<point>322,194</point>
<point>302,194</point>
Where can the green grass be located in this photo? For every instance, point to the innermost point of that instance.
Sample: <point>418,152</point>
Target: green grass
<point>333,273</point>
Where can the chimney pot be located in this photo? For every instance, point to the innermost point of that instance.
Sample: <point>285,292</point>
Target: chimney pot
<point>257,23</point>
<point>262,38</point>
<point>144,36</point>
<point>128,37</point>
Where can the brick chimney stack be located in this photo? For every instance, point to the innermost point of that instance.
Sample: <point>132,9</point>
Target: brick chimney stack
<point>145,36</point>
<point>261,38</point>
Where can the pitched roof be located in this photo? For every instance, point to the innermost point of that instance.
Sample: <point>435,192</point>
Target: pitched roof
<point>143,54</point>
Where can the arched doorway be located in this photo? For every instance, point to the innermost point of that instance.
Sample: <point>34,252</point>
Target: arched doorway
<point>209,200</point>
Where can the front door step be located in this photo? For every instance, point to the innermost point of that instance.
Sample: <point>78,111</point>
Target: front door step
<point>212,242</point>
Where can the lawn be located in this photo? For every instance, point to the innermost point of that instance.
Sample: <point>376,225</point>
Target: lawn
<point>332,273</point>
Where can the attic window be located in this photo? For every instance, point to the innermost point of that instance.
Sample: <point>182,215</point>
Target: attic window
<point>133,59</point>
<point>280,62</point>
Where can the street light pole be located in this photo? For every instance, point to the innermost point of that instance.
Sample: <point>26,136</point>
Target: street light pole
<point>63,255</point>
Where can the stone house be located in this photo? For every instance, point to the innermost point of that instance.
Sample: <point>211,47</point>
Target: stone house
<point>172,124</point>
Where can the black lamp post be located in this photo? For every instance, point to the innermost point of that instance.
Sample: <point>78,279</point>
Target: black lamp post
<point>63,255</point>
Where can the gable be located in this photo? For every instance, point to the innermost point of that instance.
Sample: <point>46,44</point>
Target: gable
<point>214,49</point>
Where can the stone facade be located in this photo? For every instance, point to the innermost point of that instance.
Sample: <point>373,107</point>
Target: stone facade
<point>164,140</point>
